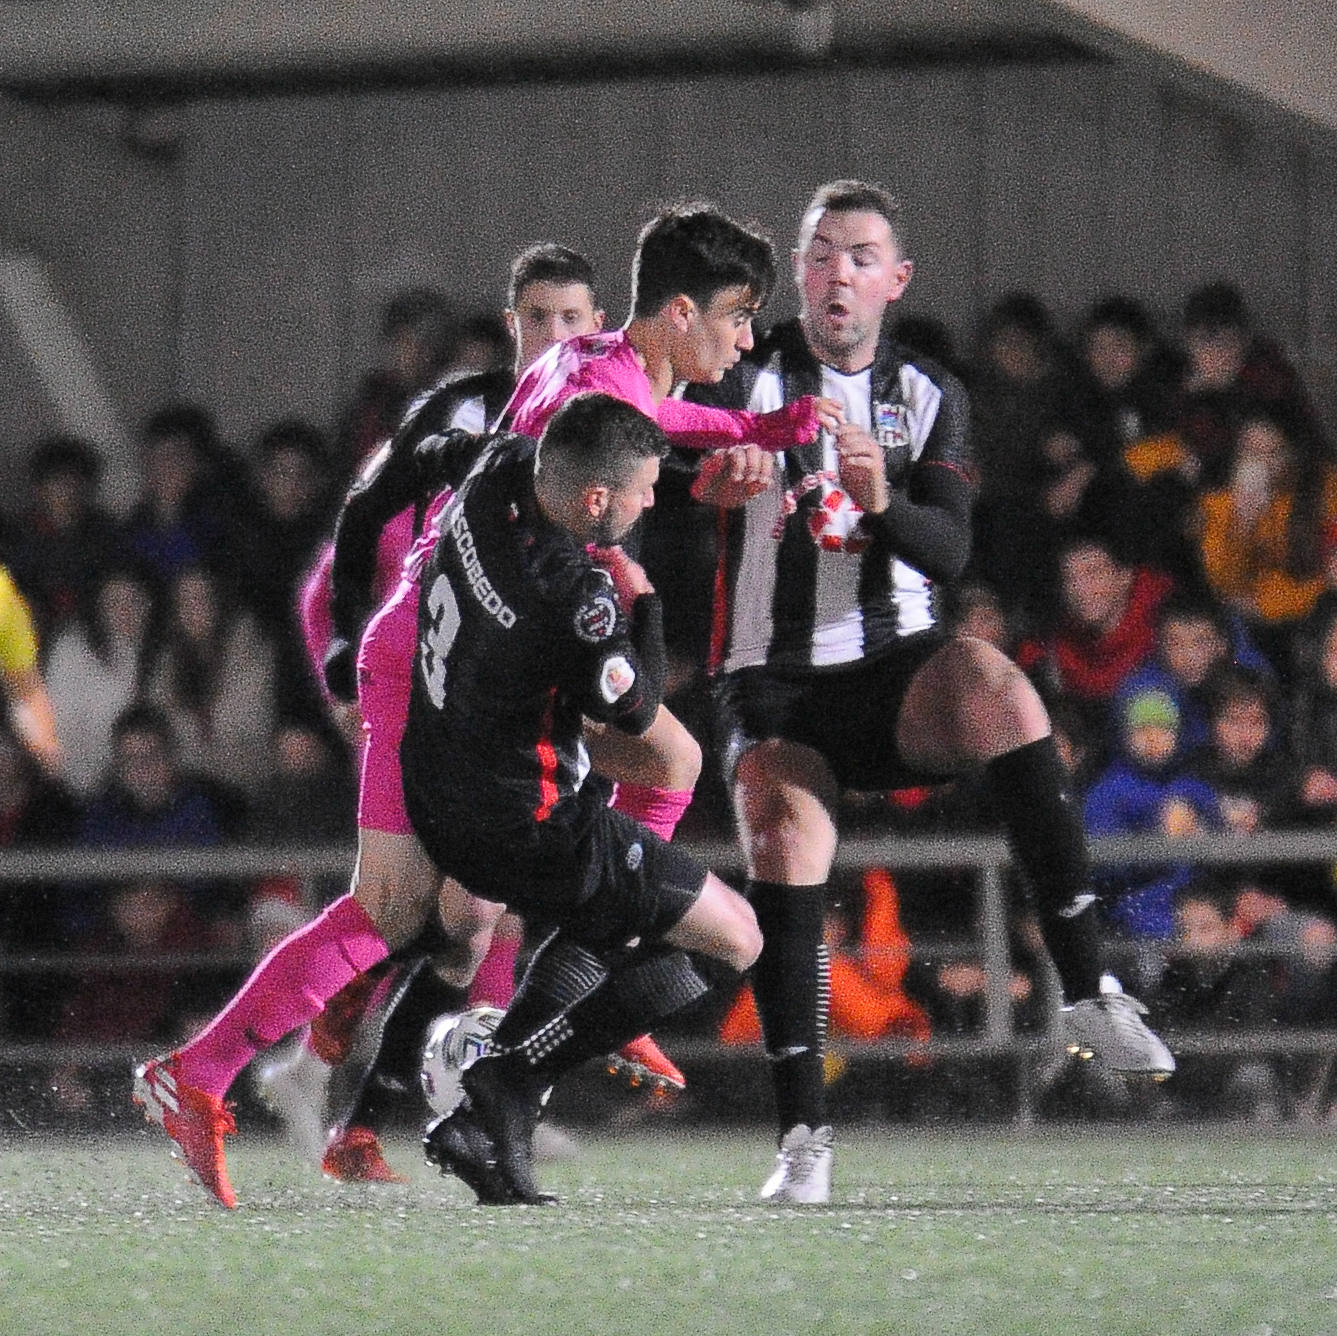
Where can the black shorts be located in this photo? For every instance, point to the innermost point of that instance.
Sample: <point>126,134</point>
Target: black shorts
<point>847,713</point>
<point>595,872</point>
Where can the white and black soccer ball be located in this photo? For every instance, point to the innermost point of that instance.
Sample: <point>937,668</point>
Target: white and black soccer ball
<point>454,1041</point>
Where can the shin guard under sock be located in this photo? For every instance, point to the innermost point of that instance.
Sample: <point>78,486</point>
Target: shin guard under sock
<point>1032,796</point>
<point>791,982</point>
<point>287,988</point>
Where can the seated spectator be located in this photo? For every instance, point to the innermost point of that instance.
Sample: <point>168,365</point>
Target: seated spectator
<point>1312,704</point>
<point>1021,395</point>
<point>35,813</point>
<point>63,538</point>
<point>190,497</point>
<point>1105,629</point>
<point>96,668</point>
<point>1243,759</point>
<point>147,800</point>
<point>976,610</point>
<point>290,513</point>
<point>1230,365</point>
<point>1209,985</point>
<point>1194,637</point>
<point>1145,790</point>
<point>1262,533</point>
<point>1132,379</point>
<point>1132,375</point>
<point>137,1000</point>
<point>214,678</point>
<point>26,698</point>
<point>418,338</point>
<point>1300,975</point>
<point>309,798</point>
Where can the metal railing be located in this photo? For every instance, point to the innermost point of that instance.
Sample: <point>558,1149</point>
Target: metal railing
<point>986,857</point>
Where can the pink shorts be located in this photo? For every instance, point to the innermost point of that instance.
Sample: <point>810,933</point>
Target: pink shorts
<point>384,682</point>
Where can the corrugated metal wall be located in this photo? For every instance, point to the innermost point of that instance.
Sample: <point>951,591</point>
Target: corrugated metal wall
<point>247,273</point>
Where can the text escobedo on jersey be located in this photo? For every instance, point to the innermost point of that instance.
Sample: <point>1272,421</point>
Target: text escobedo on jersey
<point>491,601</point>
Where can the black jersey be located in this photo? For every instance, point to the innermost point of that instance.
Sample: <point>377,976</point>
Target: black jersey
<point>391,481</point>
<point>807,580</point>
<point>520,637</point>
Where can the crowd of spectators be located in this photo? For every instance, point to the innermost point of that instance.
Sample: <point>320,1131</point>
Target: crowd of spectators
<point>1155,543</point>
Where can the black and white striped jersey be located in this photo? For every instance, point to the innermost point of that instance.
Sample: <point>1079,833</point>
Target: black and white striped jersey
<point>805,578</point>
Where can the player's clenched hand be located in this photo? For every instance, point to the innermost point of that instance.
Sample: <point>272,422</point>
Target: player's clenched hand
<point>629,578</point>
<point>830,413</point>
<point>863,469</point>
<point>730,477</point>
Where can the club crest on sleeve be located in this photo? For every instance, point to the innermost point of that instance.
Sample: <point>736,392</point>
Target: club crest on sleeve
<point>596,619</point>
<point>616,678</point>
<point>891,426</point>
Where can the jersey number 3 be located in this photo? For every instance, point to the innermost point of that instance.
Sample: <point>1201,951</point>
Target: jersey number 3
<point>438,638</point>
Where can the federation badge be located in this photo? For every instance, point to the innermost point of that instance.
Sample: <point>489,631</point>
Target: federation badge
<point>597,619</point>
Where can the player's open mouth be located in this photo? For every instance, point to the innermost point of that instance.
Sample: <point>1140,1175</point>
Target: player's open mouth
<point>837,310</point>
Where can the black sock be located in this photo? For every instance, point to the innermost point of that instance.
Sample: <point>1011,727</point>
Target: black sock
<point>1032,795</point>
<point>792,985</point>
<point>561,974</point>
<point>399,1061</point>
<point>648,985</point>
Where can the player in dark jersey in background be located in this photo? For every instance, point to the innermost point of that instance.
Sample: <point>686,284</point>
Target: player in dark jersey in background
<point>522,637</point>
<point>834,672</point>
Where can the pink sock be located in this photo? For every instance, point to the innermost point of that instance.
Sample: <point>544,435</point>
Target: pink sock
<point>288,987</point>
<point>659,810</point>
<point>494,984</point>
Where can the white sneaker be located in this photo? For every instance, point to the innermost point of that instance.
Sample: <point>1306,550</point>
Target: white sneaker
<point>1110,1027</point>
<point>294,1084</point>
<point>802,1174</point>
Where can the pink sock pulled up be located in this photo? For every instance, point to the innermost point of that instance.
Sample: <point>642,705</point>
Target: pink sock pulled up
<point>659,810</point>
<point>288,987</point>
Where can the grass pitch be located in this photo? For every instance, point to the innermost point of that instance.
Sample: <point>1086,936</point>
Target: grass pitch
<point>1232,1233</point>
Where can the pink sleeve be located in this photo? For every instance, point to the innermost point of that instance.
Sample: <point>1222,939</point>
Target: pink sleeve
<point>699,427</point>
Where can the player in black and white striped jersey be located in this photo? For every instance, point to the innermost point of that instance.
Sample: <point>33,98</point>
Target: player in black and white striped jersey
<point>834,671</point>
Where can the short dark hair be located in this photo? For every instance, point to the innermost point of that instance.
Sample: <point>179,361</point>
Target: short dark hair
<point>547,262</point>
<point>184,421</point>
<point>850,196</point>
<point>597,439</point>
<point>696,250</point>
<point>294,433</point>
<point>1122,313</point>
<point>144,717</point>
<point>64,456</point>
<point>1216,306</point>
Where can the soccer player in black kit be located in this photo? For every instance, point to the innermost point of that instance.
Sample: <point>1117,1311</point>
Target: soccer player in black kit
<point>523,633</point>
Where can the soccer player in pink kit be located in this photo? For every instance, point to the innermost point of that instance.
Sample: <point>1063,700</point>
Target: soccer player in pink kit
<point>698,281</point>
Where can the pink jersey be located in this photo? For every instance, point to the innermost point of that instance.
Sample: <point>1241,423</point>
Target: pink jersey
<point>608,364</point>
<point>384,682</point>
<point>601,363</point>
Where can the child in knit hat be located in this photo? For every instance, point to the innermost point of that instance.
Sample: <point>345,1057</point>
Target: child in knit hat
<point>1145,790</point>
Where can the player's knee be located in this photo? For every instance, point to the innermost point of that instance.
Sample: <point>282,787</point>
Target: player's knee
<point>748,946</point>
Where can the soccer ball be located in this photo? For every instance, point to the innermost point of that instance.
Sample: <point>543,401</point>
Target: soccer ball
<point>454,1041</point>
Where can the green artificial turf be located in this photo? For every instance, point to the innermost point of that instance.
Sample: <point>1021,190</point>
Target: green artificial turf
<point>1113,1231</point>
